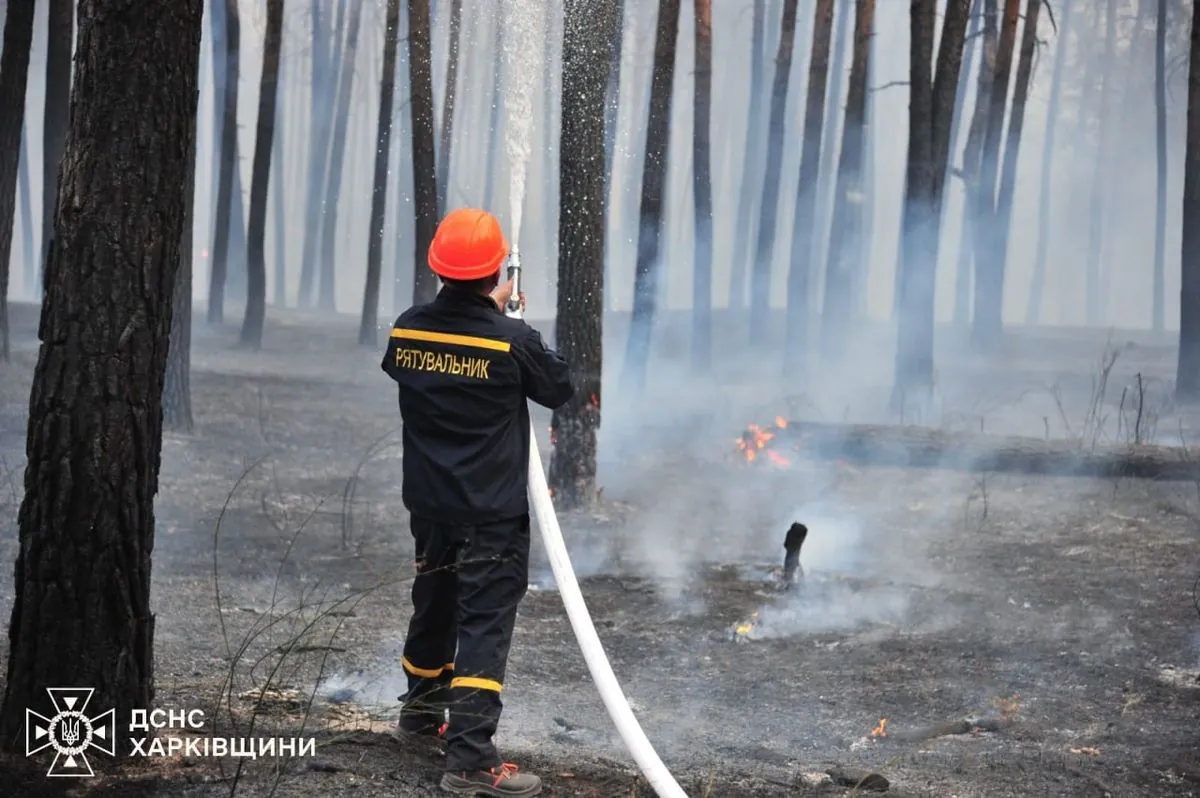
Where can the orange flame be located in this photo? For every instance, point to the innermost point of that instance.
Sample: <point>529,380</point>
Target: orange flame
<point>758,439</point>
<point>880,729</point>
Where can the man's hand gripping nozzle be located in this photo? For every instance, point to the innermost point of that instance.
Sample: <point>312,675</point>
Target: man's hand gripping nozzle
<point>513,308</point>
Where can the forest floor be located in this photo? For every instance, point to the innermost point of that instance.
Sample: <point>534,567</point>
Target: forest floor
<point>1022,636</point>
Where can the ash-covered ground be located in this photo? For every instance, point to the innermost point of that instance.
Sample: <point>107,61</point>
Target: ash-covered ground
<point>1020,635</point>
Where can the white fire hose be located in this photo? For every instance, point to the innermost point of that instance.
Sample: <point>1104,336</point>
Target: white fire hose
<point>647,759</point>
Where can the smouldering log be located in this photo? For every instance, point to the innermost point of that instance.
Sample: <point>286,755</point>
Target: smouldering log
<point>796,535</point>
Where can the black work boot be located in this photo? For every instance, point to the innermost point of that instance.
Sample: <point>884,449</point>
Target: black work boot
<point>501,781</point>
<point>424,716</point>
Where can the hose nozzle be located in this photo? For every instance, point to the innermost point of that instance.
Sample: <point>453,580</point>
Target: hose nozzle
<point>513,308</point>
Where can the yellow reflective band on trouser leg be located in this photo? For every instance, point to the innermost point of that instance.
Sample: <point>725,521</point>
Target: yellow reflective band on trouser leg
<point>477,683</point>
<point>424,673</point>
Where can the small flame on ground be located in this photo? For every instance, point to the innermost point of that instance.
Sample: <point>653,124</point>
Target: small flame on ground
<point>880,729</point>
<point>747,627</point>
<point>757,439</point>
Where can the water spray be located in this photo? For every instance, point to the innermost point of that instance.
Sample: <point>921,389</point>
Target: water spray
<point>523,71</point>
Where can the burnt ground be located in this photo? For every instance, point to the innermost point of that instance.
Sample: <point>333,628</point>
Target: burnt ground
<point>1056,616</point>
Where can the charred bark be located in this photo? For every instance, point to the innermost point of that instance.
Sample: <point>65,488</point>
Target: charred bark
<point>744,233</point>
<point>425,204</point>
<point>177,377</point>
<point>14,71</point>
<point>260,180</point>
<point>987,325</point>
<point>1160,177</point>
<point>799,276</point>
<point>1037,284</point>
<point>220,248</point>
<point>702,190</point>
<point>60,32</point>
<point>1187,377</point>
<point>846,243</point>
<point>760,275</point>
<point>383,147</point>
<point>448,95</point>
<point>579,321</point>
<point>82,611</point>
<point>650,215</point>
<point>1095,251</point>
<point>327,267</point>
<point>320,126</point>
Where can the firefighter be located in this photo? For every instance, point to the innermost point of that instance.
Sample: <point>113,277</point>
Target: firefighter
<point>465,371</point>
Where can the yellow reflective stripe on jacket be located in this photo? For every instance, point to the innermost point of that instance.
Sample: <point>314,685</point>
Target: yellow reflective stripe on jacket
<point>451,338</point>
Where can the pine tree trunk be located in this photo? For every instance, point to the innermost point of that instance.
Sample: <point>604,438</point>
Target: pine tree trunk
<point>448,95</point>
<point>1037,284</point>
<point>760,274</point>
<point>278,191</point>
<point>962,283</point>
<point>425,204</point>
<point>846,236</point>
<point>401,235</point>
<point>844,12</point>
<point>702,251</point>
<point>799,275</point>
<point>650,215</point>
<point>260,180</point>
<point>60,30</point>
<point>1160,181</point>
<point>177,379</point>
<point>225,189</point>
<point>327,265</point>
<point>750,184</point>
<point>579,319</point>
<point>25,202</point>
<point>383,147</point>
<point>82,611</point>
<point>14,71</point>
<point>1187,377</point>
<point>325,54</point>
<point>1093,290</point>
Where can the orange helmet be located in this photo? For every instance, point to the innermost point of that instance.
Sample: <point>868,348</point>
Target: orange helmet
<point>468,245</point>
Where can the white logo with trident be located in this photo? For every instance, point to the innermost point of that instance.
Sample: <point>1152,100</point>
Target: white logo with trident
<point>70,732</point>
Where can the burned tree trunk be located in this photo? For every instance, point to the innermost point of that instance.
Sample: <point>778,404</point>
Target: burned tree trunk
<point>751,156</point>
<point>1095,251</point>
<point>425,202</point>
<point>278,192</point>
<point>1160,177</point>
<point>14,71</point>
<point>449,91</point>
<point>1037,284</point>
<point>327,267</point>
<point>60,32</point>
<point>383,148</point>
<point>702,190</point>
<point>804,217</point>
<point>324,93</point>
<point>177,377</point>
<point>260,179</point>
<point>846,236</point>
<point>843,12</point>
<point>987,324</point>
<point>650,215</point>
<point>760,274</point>
<point>220,248</point>
<point>1187,377</point>
<point>931,113</point>
<point>579,321</point>
<point>89,492</point>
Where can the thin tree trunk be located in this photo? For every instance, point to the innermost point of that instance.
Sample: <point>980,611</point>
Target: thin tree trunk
<point>750,159</point>
<point>402,289</point>
<point>987,323</point>
<point>424,169</point>
<point>1187,377</point>
<point>612,104</point>
<point>279,194</point>
<point>844,12</point>
<point>95,418</point>
<point>327,266</point>
<point>260,180</point>
<point>1037,284</point>
<point>579,320</point>
<point>177,378</point>
<point>650,217</point>
<point>1160,182</point>
<point>799,276</point>
<point>1001,226</point>
<point>60,32</point>
<point>14,72</point>
<point>1095,251</point>
<point>220,248</point>
<point>962,281</point>
<point>862,267</point>
<point>846,234</point>
<point>25,201</point>
<point>383,147</point>
<point>760,275</point>
<point>702,251</point>
<point>448,95</point>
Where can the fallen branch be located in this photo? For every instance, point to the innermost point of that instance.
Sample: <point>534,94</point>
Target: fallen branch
<point>954,727</point>
<point>921,447</point>
<point>858,780</point>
